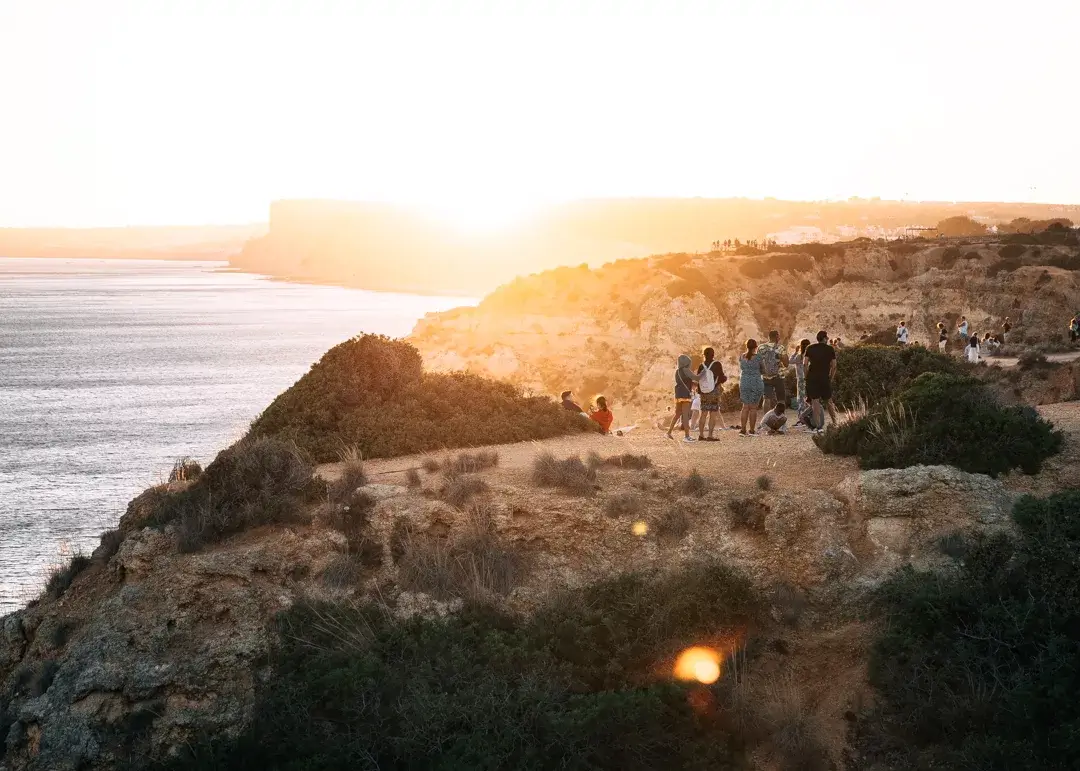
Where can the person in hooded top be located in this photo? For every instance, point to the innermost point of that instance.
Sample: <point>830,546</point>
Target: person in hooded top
<point>602,416</point>
<point>685,379</point>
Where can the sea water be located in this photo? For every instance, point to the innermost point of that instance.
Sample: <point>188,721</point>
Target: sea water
<point>112,369</point>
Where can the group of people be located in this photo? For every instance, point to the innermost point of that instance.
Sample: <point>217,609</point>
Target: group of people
<point>972,346</point>
<point>601,414</point>
<point>762,386</point>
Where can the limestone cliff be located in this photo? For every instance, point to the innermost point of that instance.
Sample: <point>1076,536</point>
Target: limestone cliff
<point>618,329</point>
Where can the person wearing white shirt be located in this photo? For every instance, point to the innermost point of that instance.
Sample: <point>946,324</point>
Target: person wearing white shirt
<point>902,334</point>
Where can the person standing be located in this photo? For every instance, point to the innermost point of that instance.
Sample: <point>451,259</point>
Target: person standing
<point>1074,329</point>
<point>820,370</point>
<point>774,362</point>
<point>1005,329</point>
<point>799,360</point>
<point>751,386</point>
<point>962,328</point>
<point>902,334</point>
<point>942,337</point>
<point>684,388</point>
<point>695,411</point>
<point>973,349</point>
<point>710,378</point>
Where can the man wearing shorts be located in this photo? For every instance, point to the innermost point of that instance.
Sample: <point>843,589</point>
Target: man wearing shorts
<point>685,382</point>
<point>774,363</point>
<point>820,370</point>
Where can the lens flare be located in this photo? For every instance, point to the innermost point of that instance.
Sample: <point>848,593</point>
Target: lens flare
<point>700,664</point>
<point>639,528</point>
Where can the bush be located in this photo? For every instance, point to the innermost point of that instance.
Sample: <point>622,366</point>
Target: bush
<point>352,517</point>
<point>872,373</point>
<point>351,476</point>
<point>774,263</point>
<point>1031,359</point>
<point>748,512</point>
<point>254,482</point>
<point>471,462</point>
<point>764,482</point>
<point>1011,252</point>
<point>694,484</point>
<point>371,392</point>
<point>672,524</point>
<point>946,419</point>
<point>569,475</point>
<point>973,664</point>
<point>572,687</point>
<point>627,461</point>
<point>109,546</point>
<point>625,504</point>
<point>412,478</point>
<point>185,470</point>
<point>459,490</point>
<point>61,578</point>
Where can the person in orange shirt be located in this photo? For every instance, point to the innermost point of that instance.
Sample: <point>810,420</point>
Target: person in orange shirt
<point>602,415</point>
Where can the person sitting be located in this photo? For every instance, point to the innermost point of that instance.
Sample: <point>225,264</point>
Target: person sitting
<point>806,417</point>
<point>774,420</point>
<point>569,404</point>
<point>602,416</point>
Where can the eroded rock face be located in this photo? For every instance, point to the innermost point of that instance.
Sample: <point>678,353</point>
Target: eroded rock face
<point>904,512</point>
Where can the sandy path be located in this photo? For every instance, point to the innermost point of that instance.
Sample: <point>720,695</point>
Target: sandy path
<point>792,460</point>
<point>1012,361</point>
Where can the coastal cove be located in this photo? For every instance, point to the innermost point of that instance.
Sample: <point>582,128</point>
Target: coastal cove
<point>112,369</point>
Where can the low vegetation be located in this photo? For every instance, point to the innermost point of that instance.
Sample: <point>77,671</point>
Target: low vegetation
<point>946,419</point>
<point>185,470</point>
<point>61,578</point>
<point>570,475</point>
<point>627,460</point>
<point>673,523</point>
<point>254,482</point>
<point>973,663</point>
<point>581,684</point>
<point>371,392</point>
<point>694,484</point>
<point>868,374</point>
<point>623,505</point>
<point>459,489</point>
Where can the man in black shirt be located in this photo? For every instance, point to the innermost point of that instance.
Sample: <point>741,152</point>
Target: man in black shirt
<point>820,368</point>
<point>568,404</point>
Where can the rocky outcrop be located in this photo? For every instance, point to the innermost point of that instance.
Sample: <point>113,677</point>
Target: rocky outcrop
<point>619,329</point>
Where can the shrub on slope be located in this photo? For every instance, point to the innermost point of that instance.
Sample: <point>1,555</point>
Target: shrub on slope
<point>976,667</point>
<point>872,373</point>
<point>372,392</point>
<point>573,687</point>
<point>947,419</point>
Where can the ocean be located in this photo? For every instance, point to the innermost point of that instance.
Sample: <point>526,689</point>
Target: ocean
<point>112,369</point>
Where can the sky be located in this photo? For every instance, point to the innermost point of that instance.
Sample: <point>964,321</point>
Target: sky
<point>171,112</point>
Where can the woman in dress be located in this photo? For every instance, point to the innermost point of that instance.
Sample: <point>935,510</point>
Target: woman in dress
<point>973,349</point>
<point>799,360</point>
<point>751,386</point>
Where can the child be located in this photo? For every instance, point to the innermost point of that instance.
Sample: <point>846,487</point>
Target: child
<point>775,420</point>
<point>602,416</point>
<point>695,411</point>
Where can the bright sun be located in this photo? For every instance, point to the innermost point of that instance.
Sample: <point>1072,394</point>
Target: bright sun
<point>481,214</point>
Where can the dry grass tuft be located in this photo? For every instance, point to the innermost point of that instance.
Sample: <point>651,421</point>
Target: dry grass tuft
<point>185,470</point>
<point>351,477</point>
<point>470,463</point>
<point>694,484</point>
<point>476,565</point>
<point>412,478</point>
<point>459,490</point>
<point>748,512</point>
<point>672,524</point>
<point>430,464</point>
<point>764,482</point>
<point>569,475</point>
<point>626,460</point>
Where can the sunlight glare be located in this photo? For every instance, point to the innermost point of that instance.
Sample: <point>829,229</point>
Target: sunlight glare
<point>698,663</point>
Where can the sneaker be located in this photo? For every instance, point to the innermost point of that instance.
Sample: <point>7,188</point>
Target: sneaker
<point>689,439</point>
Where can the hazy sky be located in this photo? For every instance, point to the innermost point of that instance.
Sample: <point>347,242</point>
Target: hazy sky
<point>164,111</point>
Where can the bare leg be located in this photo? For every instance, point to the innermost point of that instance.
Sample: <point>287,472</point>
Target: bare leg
<point>695,419</point>
<point>686,419</point>
<point>712,423</point>
<point>753,420</point>
<point>674,420</point>
<point>743,416</point>
<point>819,414</point>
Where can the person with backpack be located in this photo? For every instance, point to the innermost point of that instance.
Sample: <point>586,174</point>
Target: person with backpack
<point>685,381</point>
<point>710,379</point>
<point>774,362</point>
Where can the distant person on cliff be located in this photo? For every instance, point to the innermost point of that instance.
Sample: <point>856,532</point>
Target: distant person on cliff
<point>685,378</point>
<point>602,416</point>
<point>711,377</point>
<point>972,349</point>
<point>1006,328</point>
<point>571,405</point>
<point>799,361</point>
<point>902,334</point>
<point>1074,329</point>
<point>942,337</point>
<point>820,370</point>
<point>774,420</point>
<point>962,328</point>
<point>774,361</point>
<point>751,386</point>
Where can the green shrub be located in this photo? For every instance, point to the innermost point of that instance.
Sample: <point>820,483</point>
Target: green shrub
<point>946,419</point>
<point>61,578</point>
<point>372,392</point>
<point>975,666</point>
<point>254,482</point>
<point>574,687</point>
<point>871,373</point>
